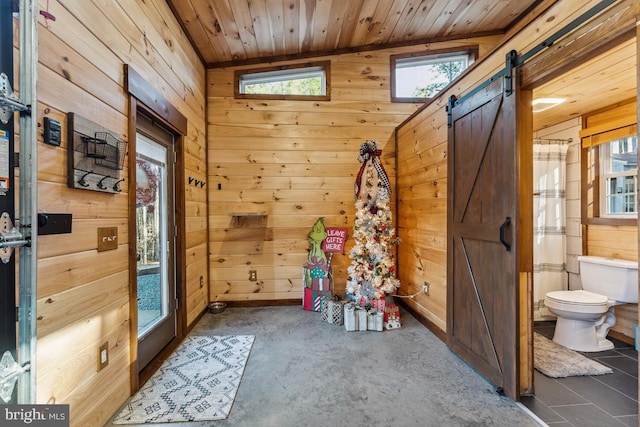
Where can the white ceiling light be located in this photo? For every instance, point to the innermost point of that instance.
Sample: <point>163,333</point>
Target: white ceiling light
<point>542,104</point>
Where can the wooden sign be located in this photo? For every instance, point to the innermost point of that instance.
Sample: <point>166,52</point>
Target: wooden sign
<point>335,240</point>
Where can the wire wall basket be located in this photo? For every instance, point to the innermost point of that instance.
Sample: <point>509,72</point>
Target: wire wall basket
<point>106,150</point>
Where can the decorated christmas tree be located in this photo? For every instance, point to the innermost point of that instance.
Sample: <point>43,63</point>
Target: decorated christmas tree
<point>372,269</point>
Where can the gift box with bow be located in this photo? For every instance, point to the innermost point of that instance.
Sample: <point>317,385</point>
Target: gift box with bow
<point>355,318</point>
<point>332,311</point>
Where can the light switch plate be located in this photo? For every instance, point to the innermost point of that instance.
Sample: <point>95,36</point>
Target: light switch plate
<point>107,239</point>
<point>103,356</point>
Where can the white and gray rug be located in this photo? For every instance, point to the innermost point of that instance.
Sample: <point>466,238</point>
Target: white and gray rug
<point>197,383</point>
<point>556,361</point>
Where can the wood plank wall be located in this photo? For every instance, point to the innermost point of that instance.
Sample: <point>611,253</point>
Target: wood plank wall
<point>83,295</point>
<point>296,161</point>
<point>422,170</point>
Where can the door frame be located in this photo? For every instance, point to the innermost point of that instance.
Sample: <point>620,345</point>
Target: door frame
<point>145,99</point>
<point>587,40</point>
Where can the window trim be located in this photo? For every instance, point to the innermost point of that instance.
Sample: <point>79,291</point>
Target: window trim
<point>590,166</point>
<point>470,51</point>
<point>325,65</point>
<point>604,174</point>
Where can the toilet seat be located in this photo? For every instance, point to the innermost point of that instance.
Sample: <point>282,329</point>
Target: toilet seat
<point>577,301</point>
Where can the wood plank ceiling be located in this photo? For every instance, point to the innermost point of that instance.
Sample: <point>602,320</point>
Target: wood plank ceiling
<point>242,32</point>
<point>236,32</point>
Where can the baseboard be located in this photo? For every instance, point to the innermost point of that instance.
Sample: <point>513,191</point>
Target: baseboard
<point>265,303</point>
<point>426,322</point>
<point>621,337</point>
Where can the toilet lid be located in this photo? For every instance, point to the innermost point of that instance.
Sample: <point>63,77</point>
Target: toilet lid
<point>577,297</point>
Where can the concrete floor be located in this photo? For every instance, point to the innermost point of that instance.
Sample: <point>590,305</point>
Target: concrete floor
<point>304,372</point>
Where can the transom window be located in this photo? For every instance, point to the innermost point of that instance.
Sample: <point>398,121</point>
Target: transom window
<point>417,77</point>
<point>619,178</point>
<point>303,82</point>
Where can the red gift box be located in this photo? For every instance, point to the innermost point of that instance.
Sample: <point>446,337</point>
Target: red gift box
<point>391,312</point>
<point>312,298</point>
<point>391,317</point>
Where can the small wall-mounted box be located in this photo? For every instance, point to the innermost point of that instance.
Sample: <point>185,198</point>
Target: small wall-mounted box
<point>54,223</point>
<point>52,132</point>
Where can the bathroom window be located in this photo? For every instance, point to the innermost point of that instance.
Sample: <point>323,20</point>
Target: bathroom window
<point>619,178</point>
<point>609,166</point>
<point>310,81</point>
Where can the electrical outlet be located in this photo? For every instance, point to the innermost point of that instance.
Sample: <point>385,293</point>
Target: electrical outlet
<point>103,356</point>
<point>253,275</point>
<point>425,288</point>
<point>201,281</point>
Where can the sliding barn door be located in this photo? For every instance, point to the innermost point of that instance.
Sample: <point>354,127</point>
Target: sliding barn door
<point>483,273</point>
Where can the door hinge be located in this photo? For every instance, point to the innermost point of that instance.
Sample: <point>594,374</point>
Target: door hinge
<point>10,238</point>
<point>9,101</point>
<point>10,370</point>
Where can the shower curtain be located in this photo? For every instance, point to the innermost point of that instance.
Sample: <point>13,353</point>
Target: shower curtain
<point>549,222</point>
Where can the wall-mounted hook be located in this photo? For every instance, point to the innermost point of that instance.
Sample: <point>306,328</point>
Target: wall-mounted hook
<point>116,186</point>
<point>82,182</point>
<point>100,184</point>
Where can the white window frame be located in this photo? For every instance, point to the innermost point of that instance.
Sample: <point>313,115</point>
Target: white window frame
<point>606,174</point>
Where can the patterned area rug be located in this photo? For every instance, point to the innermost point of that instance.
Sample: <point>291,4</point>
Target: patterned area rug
<point>197,383</point>
<point>556,361</point>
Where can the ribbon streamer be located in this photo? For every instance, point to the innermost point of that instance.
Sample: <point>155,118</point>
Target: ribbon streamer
<point>369,152</point>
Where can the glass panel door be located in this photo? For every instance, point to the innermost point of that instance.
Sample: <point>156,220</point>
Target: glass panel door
<point>154,241</point>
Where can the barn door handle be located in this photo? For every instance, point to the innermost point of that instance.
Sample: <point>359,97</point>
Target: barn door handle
<point>503,227</point>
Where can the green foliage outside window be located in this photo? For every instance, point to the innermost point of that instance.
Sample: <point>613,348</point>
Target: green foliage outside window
<point>442,74</point>
<point>307,86</point>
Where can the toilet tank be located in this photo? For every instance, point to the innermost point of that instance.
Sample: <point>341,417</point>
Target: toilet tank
<point>615,278</point>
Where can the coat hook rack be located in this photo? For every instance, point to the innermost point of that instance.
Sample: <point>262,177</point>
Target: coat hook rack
<point>96,156</point>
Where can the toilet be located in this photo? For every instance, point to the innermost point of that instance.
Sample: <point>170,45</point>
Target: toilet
<point>585,316</point>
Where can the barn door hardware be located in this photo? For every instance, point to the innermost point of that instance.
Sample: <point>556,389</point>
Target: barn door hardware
<point>522,59</point>
<point>9,101</point>
<point>511,62</point>
<point>10,238</point>
<point>10,370</point>
<point>450,105</point>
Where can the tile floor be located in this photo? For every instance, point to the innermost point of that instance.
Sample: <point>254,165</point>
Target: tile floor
<point>605,400</point>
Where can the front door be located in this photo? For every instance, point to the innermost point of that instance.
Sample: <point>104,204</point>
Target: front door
<point>155,240</point>
<point>483,270</point>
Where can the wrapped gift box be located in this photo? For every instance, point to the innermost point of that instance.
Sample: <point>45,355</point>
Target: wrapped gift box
<point>316,283</point>
<point>378,304</point>
<point>332,311</point>
<point>374,320</point>
<point>391,317</point>
<point>321,284</point>
<point>355,318</point>
<point>312,298</point>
